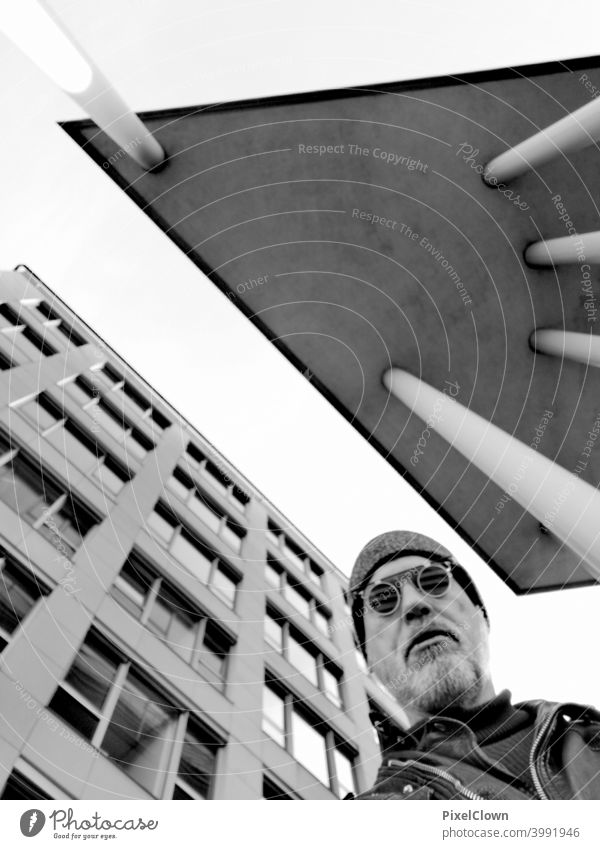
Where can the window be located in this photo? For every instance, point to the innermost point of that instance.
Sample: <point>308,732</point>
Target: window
<point>111,374</point>
<point>303,655</point>
<point>191,555</point>
<point>213,516</point>
<point>120,428</point>
<point>5,362</point>
<point>25,337</point>
<point>308,739</point>
<point>46,505</point>
<point>315,573</point>
<point>293,553</point>
<point>132,586</point>
<point>19,787</point>
<point>162,522</point>
<point>344,772</point>
<point>274,632</point>
<point>50,314</point>
<point>274,715</point>
<point>41,411</point>
<point>196,765</point>
<point>38,341</point>
<point>124,389</point>
<point>198,463</point>
<point>81,390</point>
<point>79,447</point>
<point>46,310</point>
<point>331,685</point>
<point>74,444</point>
<point>273,574</point>
<point>322,619</point>
<point>272,791</point>
<point>111,474</point>
<point>309,747</point>
<point>67,525</point>
<point>10,316</point>
<point>134,396</point>
<point>298,596</point>
<point>108,700</point>
<point>140,728</point>
<point>195,554</point>
<point>224,583</point>
<point>19,591</point>
<point>303,659</point>
<point>148,597</point>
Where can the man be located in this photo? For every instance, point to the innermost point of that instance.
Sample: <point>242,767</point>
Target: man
<point>424,628</point>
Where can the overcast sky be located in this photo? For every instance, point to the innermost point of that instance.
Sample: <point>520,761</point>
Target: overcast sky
<point>61,215</point>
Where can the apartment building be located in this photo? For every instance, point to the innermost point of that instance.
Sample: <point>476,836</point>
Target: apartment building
<point>164,631</point>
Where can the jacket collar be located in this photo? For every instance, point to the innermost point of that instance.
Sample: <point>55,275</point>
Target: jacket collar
<point>496,717</point>
<point>508,716</point>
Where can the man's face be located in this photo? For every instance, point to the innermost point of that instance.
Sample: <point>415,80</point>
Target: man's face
<point>432,652</point>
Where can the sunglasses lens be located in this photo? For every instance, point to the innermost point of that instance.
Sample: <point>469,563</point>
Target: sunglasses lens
<point>383,599</point>
<point>434,580</point>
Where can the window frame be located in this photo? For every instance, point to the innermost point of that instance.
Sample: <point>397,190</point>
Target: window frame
<point>134,396</point>
<point>276,785</point>
<point>289,632</point>
<point>202,621</point>
<point>99,455</point>
<point>85,516</point>
<point>19,326</point>
<point>331,739</point>
<point>27,576</point>
<point>215,561</point>
<point>202,465</point>
<point>295,554</point>
<point>49,317</point>
<point>226,528</point>
<point>164,774</point>
<point>316,609</point>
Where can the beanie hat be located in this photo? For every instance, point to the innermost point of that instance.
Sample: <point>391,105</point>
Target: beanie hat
<point>390,545</point>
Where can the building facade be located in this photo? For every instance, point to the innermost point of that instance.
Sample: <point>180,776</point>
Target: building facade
<point>164,632</point>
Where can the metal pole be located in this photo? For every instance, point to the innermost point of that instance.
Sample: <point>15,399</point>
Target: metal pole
<point>566,250</point>
<point>579,129</point>
<point>37,30</point>
<point>580,347</point>
<point>562,502</point>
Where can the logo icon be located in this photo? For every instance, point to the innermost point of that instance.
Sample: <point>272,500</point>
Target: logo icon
<point>32,822</point>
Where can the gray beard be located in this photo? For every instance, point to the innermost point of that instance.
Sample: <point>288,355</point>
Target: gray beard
<point>438,684</point>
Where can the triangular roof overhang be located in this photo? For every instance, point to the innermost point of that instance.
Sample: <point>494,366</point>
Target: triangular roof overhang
<point>277,201</point>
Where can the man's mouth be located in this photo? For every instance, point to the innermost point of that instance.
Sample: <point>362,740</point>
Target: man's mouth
<point>429,637</point>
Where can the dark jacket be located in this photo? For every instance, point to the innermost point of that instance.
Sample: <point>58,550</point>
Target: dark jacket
<point>563,760</point>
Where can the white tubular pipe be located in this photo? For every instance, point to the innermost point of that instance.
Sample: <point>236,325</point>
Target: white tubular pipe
<point>558,499</point>
<point>579,129</point>
<point>110,112</point>
<point>581,347</point>
<point>566,250</point>
<point>36,29</point>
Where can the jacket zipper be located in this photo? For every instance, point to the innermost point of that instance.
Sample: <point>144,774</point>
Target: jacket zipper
<point>533,754</point>
<point>468,794</point>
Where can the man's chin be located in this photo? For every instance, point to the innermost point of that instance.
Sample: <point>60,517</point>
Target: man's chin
<point>437,686</point>
<point>442,679</point>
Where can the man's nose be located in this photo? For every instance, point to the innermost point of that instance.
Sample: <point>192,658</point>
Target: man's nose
<point>415,604</point>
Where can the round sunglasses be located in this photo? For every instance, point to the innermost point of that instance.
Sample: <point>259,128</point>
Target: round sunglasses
<point>384,597</point>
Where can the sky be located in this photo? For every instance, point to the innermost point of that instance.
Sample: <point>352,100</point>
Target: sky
<point>64,218</point>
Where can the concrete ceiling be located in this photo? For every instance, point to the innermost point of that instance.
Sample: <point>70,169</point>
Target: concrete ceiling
<point>354,229</point>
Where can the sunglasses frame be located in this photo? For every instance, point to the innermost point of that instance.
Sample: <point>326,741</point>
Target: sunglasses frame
<point>414,575</point>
